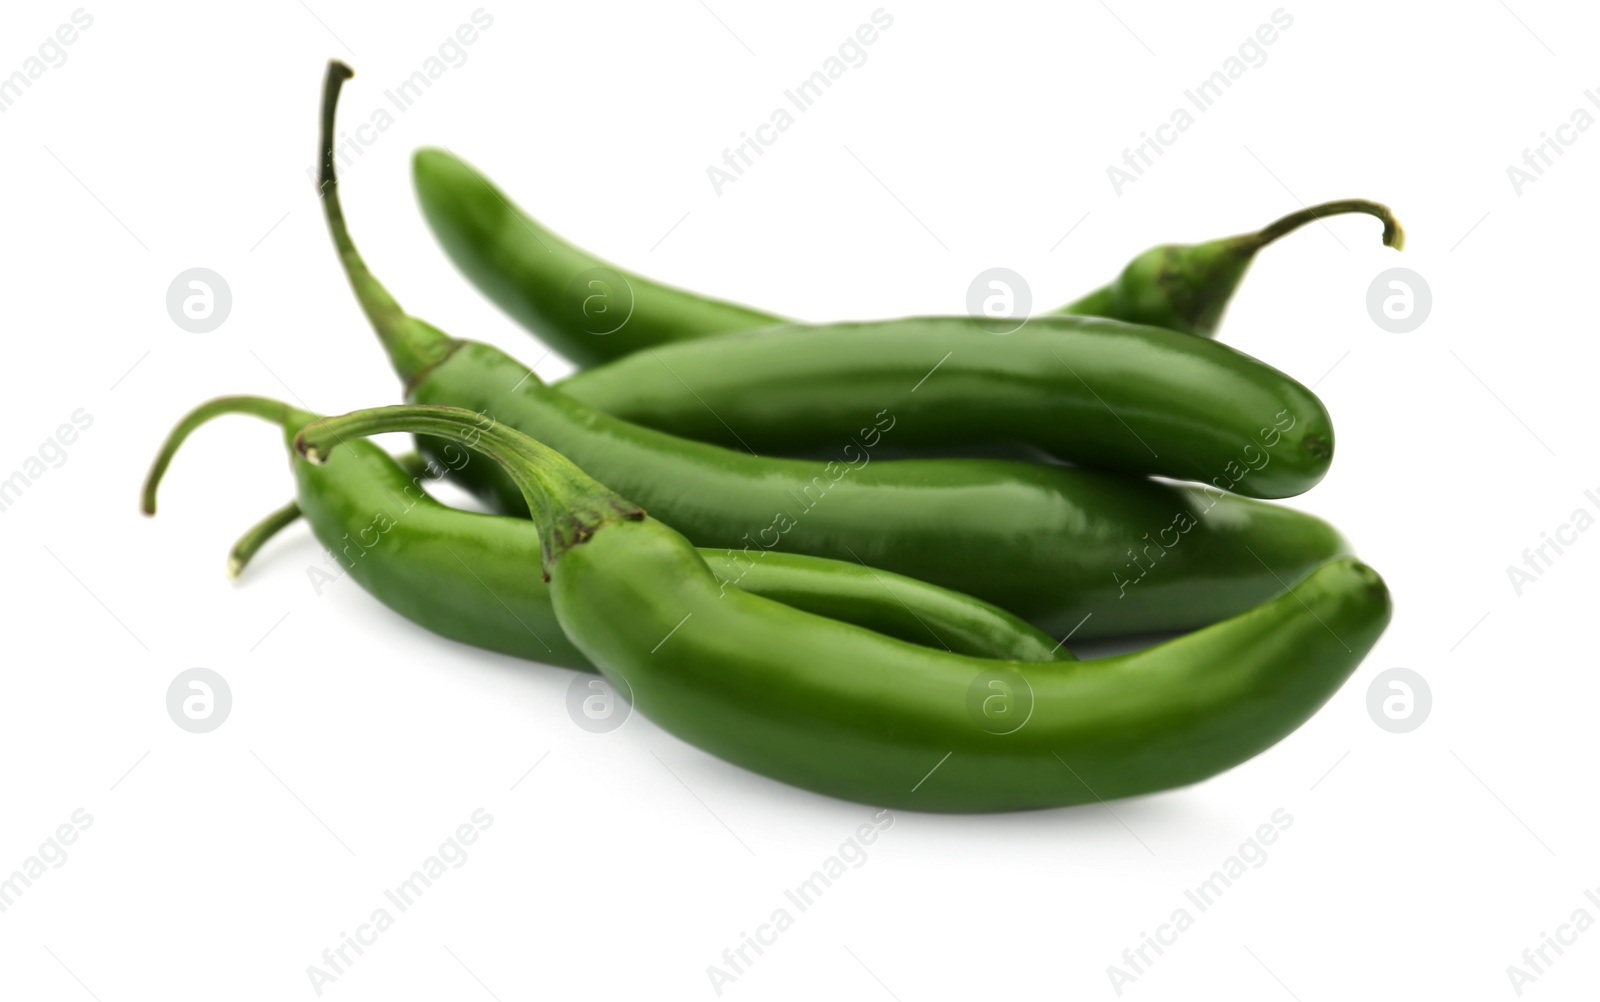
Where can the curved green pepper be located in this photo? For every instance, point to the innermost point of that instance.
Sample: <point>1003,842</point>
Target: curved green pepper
<point>472,577</point>
<point>1095,393</point>
<point>845,712</point>
<point>591,311</point>
<point>1186,287</point>
<point>1063,548</point>
<point>584,308</point>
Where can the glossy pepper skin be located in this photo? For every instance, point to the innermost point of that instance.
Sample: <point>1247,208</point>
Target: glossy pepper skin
<point>1065,549</point>
<point>584,308</point>
<point>473,577</point>
<point>1062,548</point>
<point>852,714</point>
<point>591,311</point>
<point>1094,393</point>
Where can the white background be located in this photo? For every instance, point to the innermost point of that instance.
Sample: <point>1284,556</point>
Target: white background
<point>222,865</point>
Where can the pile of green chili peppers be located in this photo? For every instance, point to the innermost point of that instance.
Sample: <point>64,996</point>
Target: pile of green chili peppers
<point>851,556</point>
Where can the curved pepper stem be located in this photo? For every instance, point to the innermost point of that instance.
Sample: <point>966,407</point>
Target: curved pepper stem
<point>257,535</point>
<point>413,345</point>
<point>1393,235</point>
<point>1186,287</point>
<point>272,411</point>
<point>567,504</point>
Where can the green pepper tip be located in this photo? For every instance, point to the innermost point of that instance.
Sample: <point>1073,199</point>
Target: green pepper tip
<point>1318,446</point>
<point>1369,577</point>
<point>425,156</point>
<point>1393,234</point>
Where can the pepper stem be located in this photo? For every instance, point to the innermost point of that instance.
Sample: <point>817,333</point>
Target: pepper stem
<point>412,345</point>
<point>567,504</point>
<point>1393,235</point>
<point>274,411</point>
<point>257,535</point>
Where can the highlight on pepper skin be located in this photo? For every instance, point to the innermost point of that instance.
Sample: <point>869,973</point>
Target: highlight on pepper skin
<point>851,557</point>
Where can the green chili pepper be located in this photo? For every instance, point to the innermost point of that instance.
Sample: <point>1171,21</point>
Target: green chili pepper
<point>845,712</point>
<point>472,577</point>
<point>582,307</point>
<point>1096,393</point>
<point>1063,548</point>
<point>1186,287</point>
<point>591,311</point>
